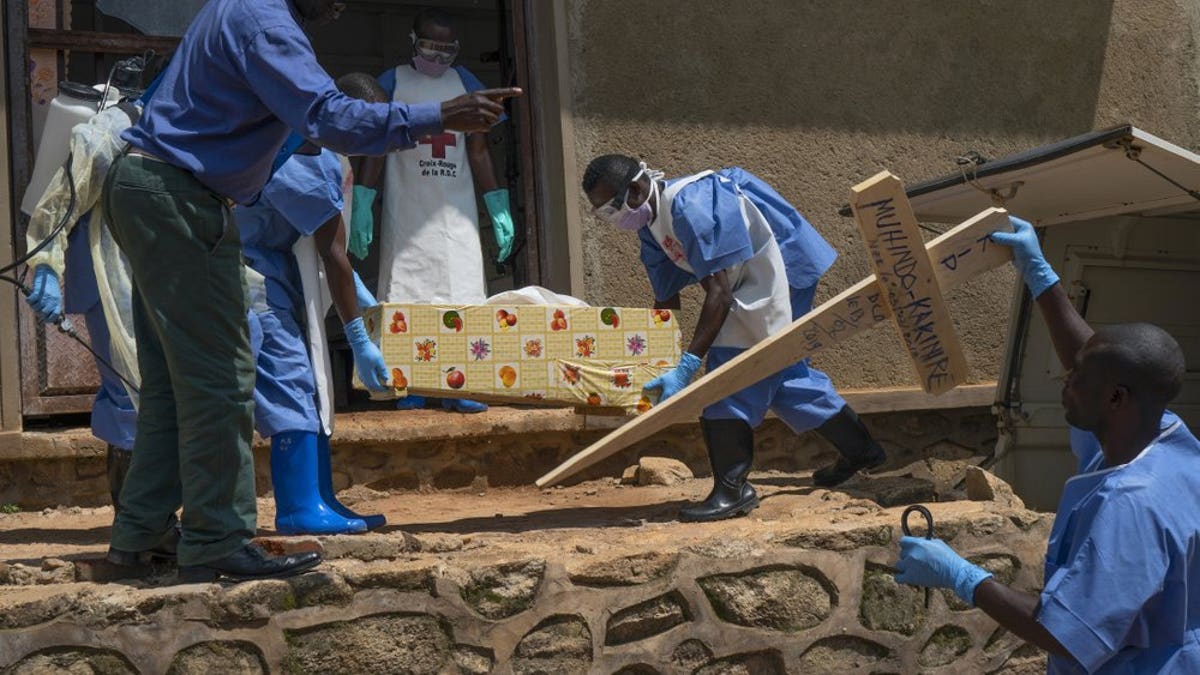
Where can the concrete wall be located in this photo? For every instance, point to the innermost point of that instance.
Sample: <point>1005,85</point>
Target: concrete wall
<point>816,96</point>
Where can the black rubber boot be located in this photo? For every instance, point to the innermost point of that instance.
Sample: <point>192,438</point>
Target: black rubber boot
<point>859,451</point>
<point>730,453</point>
<point>118,461</point>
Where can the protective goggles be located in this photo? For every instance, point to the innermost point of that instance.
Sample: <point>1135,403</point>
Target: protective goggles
<point>433,50</point>
<point>611,211</point>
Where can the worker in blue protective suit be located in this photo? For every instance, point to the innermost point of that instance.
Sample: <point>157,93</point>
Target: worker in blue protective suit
<point>243,76</point>
<point>430,243</point>
<point>1122,576</point>
<point>758,261</point>
<point>303,199</point>
<point>83,252</point>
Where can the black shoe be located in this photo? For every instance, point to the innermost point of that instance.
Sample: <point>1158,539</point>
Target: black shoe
<point>248,563</point>
<point>859,450</point>
<point>730,453</point>
<point>163,552</point>
<point>117,462</point>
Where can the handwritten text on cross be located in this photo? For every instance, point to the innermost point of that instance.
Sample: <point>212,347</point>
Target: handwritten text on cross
<point>909,286</point>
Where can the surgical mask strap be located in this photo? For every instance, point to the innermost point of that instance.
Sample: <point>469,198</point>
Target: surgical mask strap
<point>654,174</point>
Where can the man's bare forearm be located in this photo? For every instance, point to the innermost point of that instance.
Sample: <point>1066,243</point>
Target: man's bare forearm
<point>1068,330</point>
<point>718,298</point>
<point>330,240</point>
<point>481,163</point>
<point>1017,611</point>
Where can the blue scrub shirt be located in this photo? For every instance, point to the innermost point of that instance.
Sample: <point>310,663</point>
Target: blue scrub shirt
<point>708,222</point>
<point>303,195</point>
<point>114,417</point>
<point>1122,584</point>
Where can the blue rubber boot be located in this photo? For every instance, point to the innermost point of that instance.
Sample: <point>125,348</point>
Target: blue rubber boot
<point>410,402</point>
<point>299,508</point>
<point>325,480</point>
<point>463,405</point>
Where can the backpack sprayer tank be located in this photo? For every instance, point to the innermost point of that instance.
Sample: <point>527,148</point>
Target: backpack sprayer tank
<point>76,103</point>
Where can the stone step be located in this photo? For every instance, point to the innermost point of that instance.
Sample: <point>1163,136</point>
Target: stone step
<point>561,582</point>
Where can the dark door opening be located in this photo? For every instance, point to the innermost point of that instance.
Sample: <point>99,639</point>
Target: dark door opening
<point>82,42</point>
<point>373,37</point>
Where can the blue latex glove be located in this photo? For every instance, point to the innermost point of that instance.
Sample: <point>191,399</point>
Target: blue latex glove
<point>367,359</point>
<point>677,378</point>
<point>1027,256</point>
<point>362,221</point>
<point>46,298</point>
<point>930,562</point>
<point>365,299</point>
<point>502,222</point>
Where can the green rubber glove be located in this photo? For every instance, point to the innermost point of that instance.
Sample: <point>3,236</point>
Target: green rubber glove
<point>502,222</point>
<point>362,221</point>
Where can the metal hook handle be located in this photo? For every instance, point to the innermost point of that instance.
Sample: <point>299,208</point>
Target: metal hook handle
<point>917,508</point>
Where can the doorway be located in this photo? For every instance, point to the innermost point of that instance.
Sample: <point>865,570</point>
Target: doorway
<point>75,40</point>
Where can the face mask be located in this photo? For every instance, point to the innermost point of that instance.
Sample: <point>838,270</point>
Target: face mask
<point>429,67</point>
<point>431,57</point>
<point>626,217</point>
<point>632,220</point>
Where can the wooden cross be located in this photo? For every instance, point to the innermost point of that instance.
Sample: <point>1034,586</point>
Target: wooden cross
<point>907,286</point>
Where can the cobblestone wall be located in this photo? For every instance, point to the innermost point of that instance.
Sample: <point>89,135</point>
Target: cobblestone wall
<point>806,601</point>
<point>518,458</point>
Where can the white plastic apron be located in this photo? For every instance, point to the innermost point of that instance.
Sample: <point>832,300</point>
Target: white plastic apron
<point>114,282</point>
<point>430,251</point>
<point>317,300</point>
<point>762,302</point>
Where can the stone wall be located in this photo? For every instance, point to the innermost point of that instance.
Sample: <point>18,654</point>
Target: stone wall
<point>518,459</point>
<point>508,454</point>
<point>809,600</point>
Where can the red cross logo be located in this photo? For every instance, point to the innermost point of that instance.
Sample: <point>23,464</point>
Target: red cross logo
<point>439,143</point>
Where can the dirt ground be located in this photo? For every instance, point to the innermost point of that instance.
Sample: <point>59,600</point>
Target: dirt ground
<point>563,523</point>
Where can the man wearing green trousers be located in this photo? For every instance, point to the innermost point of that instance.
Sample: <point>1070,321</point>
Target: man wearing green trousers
<point>243,74</point>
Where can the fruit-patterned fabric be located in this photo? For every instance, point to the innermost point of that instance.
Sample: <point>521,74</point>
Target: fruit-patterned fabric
<point>593,356</point>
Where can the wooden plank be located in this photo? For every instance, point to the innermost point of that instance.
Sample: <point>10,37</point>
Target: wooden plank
<point>963,253</point>
<point>905,273</point>
<point>529,265</point>
<point>10,372</point>
<point>866,402</point>
<point>100,42</point>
